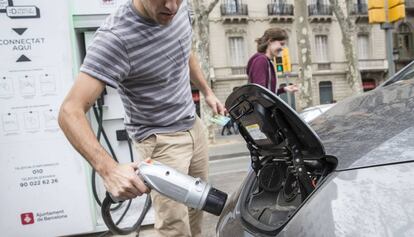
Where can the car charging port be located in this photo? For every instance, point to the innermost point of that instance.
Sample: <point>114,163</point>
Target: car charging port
<point>276,193</point>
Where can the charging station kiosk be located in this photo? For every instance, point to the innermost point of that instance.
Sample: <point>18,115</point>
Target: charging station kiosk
<point>45,183</point>
<point>43,179</point>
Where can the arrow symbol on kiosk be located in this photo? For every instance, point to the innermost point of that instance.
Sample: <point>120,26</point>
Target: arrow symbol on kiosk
<point>23,58</point>
<point>19,31</point>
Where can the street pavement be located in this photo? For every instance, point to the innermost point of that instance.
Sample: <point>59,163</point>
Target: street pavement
<point>229,162</point>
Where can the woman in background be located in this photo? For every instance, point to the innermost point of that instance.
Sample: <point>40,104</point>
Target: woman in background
<point>260,68</point>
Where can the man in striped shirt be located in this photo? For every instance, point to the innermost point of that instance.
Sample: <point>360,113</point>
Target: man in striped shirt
<point>143,50</point>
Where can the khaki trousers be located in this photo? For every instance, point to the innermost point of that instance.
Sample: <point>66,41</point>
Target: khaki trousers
<point>186,152</point>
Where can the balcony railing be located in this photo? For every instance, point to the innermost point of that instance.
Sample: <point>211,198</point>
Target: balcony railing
<point>234,9</point>
<point>360,9</point>
<point>372,64</point>
<point>319,10</point>
<point>275,9</point>
<point>238,70</point>
<point>324,66</point>
<point>230,72</point>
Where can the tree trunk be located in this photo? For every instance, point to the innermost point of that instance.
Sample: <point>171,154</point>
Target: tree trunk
<point>201,48</point>
<point>304,55</point>
<point>347,25</point>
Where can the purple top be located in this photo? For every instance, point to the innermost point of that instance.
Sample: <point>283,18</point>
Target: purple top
<point>258,72</point>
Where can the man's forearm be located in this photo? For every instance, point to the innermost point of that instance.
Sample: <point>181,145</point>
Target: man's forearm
<point>78,131</point>
<point>198,80</point>
<point>197,77</point>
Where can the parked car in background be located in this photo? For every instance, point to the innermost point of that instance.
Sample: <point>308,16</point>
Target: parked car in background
<point>313,112</point>
<point>347,173</point>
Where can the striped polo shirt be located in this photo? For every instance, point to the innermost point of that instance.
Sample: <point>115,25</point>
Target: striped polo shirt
<point>148,64</point>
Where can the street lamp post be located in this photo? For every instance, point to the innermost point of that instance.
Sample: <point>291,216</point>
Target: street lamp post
<point>388,45</point>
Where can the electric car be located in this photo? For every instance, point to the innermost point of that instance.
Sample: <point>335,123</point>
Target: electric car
<point>350,172</point>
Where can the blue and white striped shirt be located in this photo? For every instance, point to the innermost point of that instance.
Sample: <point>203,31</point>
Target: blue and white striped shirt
<point>148,64</point>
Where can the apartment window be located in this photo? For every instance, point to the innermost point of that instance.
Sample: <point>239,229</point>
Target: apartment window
<point>319,7</point>
<point>237,51</point>
<point>363,46</point>
<point>361,7</point>
<point>321,48</point>
<point>277,6</point>
<point>361,2</point>
<point>232,6</point>
<point>325,92</point>
<point>320,2</point>
<point>405,38</point>
<point>279,2</point>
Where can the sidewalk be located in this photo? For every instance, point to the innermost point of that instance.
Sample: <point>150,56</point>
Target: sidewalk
<point>227,147</point>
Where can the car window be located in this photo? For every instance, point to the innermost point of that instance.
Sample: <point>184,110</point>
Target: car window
<point>406,73</point>
<point>409,75</point>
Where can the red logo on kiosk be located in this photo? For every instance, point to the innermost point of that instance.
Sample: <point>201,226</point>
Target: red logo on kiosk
<point>27,218</point>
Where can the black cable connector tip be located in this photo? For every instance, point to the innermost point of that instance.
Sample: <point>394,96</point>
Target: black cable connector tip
<point>215,201</point>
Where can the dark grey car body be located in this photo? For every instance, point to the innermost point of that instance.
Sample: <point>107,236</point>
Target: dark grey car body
<point>370,189</point>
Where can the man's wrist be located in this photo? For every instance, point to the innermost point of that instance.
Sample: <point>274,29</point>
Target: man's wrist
<point>105,168</point>
<point>207,92</point>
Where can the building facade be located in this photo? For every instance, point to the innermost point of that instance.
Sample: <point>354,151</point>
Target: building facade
<point>404,37</point>
<point>235,24</point>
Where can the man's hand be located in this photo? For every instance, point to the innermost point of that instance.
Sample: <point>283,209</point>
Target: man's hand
<point>291,88</point>
<point>197,78</point>
<point>123,182</point>
<point>215,105</point>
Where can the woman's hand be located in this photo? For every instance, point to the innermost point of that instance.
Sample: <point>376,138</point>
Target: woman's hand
<point>291,88</point>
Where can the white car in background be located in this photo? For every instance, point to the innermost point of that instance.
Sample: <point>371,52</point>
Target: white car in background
<point>313,112</point>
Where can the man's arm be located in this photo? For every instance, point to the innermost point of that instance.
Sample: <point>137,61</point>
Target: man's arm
<point>120,180</point>
<point>197,78</point>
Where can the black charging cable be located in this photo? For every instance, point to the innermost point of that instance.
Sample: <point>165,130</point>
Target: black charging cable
<point>98,112</point>
<point>107,203</point>
<point>113,227</point>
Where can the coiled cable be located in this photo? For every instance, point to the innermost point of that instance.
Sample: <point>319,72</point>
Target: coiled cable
<point>107,202</point>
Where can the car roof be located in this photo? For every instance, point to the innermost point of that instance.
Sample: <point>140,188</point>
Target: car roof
<point>373,128</point>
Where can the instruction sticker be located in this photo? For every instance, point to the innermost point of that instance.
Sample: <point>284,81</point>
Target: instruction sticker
<point>255,133</point>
